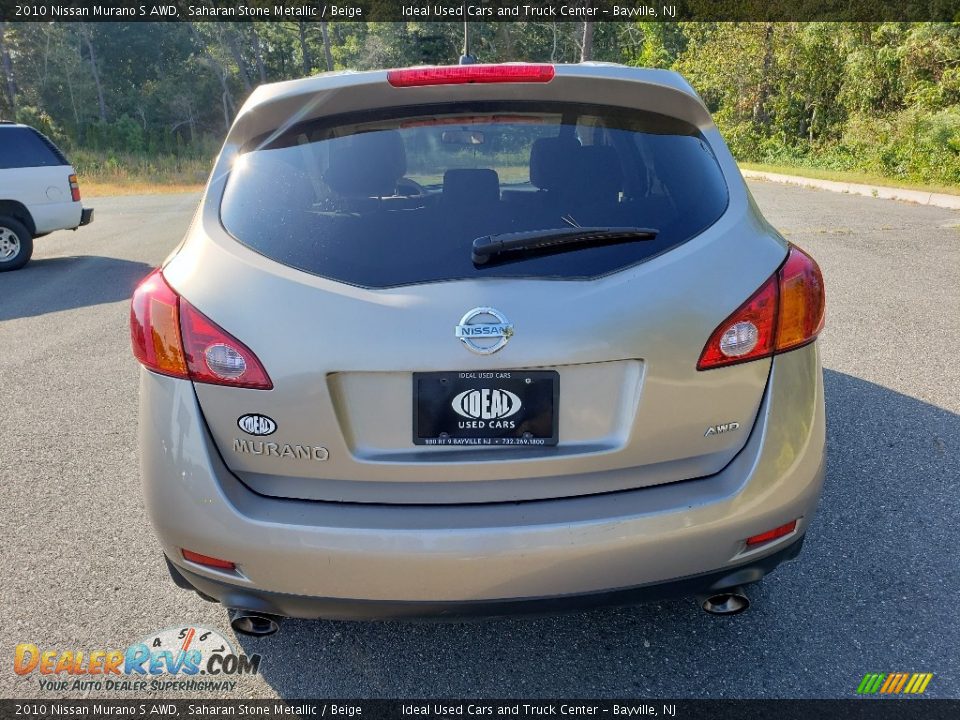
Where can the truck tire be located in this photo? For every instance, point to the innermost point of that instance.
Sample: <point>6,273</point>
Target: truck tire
<point>16,244</point>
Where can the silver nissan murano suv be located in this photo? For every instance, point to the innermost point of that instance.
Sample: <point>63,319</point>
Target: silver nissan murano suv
<point>480,339</point>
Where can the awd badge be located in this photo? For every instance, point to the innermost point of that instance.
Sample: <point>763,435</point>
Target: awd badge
<point>720,429</point>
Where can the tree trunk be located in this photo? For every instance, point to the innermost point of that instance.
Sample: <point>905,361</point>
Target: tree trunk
<point>225,97</point>
<point>586,48</point>
<point>46,56</point>
<point>305,62</point>
<point>85,32</point>
<point>327,55</point>
<point>504,43</point>
<point>73,100</point>
<point>229,109</point>
<point>238,59</point>
<point>258,52</point>
<point>10,85</point>
<point>760,114</point>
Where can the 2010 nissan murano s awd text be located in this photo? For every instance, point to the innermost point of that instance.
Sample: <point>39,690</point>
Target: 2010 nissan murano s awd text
<point>478,339</point>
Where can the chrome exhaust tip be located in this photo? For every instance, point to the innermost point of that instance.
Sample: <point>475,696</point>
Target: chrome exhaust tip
<point>731,601</point>
<point>253,624</point>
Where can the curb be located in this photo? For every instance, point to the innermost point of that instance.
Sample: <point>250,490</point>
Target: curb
<point>920,197</point>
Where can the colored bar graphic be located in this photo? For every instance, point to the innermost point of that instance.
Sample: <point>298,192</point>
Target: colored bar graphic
<point>901,682</point>
<point>923,679</point>
<point>870,683</point>
<point>894,683</point>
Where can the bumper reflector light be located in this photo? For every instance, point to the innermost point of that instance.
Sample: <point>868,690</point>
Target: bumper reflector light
<point>777,532</point>
<point>207,560</point>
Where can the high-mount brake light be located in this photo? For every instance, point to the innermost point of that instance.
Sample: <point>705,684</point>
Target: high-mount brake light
<point>784,314</point>
<point>466,74</point>
<point>171,337</point>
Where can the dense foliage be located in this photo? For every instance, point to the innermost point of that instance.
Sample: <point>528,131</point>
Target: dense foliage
<point>883,97</point>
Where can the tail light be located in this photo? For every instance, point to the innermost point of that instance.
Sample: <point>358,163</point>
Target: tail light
<point>171,337</point>
<point>784,314</point>
<point>463,74</point>
<point>74,188</point>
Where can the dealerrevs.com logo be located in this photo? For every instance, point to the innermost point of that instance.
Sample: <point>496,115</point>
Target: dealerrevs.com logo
<point>182,658</point>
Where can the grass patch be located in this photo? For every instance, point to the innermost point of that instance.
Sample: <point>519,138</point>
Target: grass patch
<point>851,176</point>
<point>97,188</point>
<point>111,173</point>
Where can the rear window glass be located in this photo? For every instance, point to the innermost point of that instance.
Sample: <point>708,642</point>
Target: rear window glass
<point>24,147</point>
<point>399,198</point>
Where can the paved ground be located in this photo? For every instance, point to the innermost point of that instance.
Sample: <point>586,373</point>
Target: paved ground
<point>875,590</point>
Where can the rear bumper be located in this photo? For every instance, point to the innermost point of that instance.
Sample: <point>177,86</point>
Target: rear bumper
<point>320,558</point>
<point>302,606</point>
<point>51,216</point>
<point>86,216</point>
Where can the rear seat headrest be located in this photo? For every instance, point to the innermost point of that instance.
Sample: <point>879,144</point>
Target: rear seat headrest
<point>553,162</point>
<point>291,187</point>
<point>366,164</point>
<point>468,187</point>
<point>599,173</point>
<point>591,172</point>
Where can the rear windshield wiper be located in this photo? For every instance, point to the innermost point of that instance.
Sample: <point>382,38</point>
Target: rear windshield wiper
<point>488,246</point>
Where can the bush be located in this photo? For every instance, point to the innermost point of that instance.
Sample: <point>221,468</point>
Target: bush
<point>124,132</point>
<point>910,144</point>
<point>37,118</point>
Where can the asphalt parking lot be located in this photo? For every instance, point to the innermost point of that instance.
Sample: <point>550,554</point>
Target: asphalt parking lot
<point>875,590</point>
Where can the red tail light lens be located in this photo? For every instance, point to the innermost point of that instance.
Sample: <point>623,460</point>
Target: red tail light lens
<point>216,357</point>
<point>801,301</point>
<point>777,532</point>
<point>748,334</point>
<point>208,561</point>
<point>784,314</point>
<point>155,327</point>
<point>463,74</point>
<point>171,337</point>
<point>74,188</point>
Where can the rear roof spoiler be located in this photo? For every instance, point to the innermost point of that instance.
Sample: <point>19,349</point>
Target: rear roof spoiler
<point>278,106</point>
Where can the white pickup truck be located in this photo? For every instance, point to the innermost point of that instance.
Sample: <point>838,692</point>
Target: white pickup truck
<point>38,193</point>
